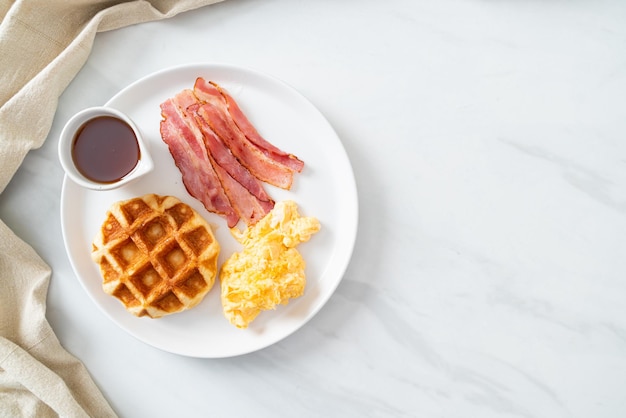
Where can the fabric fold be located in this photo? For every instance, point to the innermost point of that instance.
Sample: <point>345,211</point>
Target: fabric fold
<point>36,373</point>
<point>37,387</point>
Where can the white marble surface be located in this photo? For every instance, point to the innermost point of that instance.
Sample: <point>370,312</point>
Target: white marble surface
<point>488,141</point>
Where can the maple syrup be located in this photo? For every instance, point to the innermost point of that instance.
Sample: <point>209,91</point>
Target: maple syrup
<point>105,149</point>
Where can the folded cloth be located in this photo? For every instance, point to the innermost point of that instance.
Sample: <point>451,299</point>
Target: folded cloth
<point>38,378</point>
<point>43,44</point>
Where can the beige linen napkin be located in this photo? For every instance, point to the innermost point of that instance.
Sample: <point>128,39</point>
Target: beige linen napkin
<point>43,44</point>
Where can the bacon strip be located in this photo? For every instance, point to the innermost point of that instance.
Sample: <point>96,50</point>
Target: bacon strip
<point>250,132</point>
<point>247,206</point>
<point>259,165</point>
<point>186,145</point>
<point>215,113</point>
<point>245,192</point>
<point>224,157</point>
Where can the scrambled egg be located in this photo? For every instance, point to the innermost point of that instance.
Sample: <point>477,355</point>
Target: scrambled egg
<point>269,270</point>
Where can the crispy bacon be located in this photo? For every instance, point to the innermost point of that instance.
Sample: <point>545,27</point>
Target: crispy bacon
<point>247,206</point>
<point>245,192</point>
<point>221,156</point>
<point>250,132</point>
<point>259,165</point>
<point>215,113</point>
<point>186,145</point>
<point>224,157</point>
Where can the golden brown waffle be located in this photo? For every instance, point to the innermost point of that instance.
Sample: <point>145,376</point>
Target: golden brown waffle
<point>156,255</point>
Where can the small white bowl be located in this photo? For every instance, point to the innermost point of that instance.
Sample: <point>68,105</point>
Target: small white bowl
<point>66,143</point>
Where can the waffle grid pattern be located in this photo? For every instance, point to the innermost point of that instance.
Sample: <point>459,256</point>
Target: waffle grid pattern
<point>156,255</point>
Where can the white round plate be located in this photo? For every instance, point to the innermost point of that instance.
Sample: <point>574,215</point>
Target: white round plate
<point>325,189</point>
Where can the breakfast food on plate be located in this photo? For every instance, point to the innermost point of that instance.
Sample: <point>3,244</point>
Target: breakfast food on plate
<point>186,144</point>
<point>222,158</point>
<point>156,254</point>
<point>204,89</point>
<point>269,271</point>
<point>265,165</point>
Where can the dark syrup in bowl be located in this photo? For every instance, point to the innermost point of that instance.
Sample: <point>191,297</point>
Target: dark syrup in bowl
<point>105,149</point>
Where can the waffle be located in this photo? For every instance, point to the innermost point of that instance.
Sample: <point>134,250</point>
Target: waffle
<point>156,255</point>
